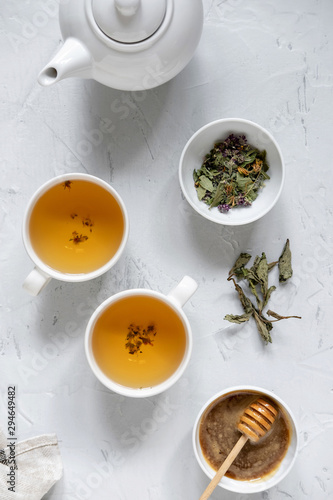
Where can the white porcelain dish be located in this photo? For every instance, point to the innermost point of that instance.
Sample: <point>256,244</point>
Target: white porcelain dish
<point>203,141</point>
<point>255,486</point>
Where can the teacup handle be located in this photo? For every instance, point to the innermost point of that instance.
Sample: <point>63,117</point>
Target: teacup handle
<point>183,291</point>
<point>36,281</point>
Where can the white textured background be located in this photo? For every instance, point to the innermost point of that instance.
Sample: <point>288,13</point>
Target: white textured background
<point>267,61</point>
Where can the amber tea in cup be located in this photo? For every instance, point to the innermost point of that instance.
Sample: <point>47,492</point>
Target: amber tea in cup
<point>75,229</point>
<point>138,342</point>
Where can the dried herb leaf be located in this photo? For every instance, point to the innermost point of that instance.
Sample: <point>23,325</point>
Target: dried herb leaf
<point>206,183</point>
<point>262,275</point>
<point>218,195</point>
<point>243,182</point>
<point>285,269</point>
<point>253,288</point>
<point>242,260</point>
<point>257,278</point>
<point>245,301</point>
<point>263,327</point>
<point>238,318</point>
<point>201,192</point>
<point>255,264</point>
<point>268,295</point>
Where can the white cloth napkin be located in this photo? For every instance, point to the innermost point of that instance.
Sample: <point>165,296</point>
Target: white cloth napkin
<point>38,463</point>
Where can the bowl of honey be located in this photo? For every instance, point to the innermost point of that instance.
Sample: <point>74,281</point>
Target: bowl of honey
<point>260,465</point>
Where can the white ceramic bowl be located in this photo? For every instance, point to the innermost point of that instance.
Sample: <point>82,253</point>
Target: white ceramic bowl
<point>203,141</point>
<point>256,486</point>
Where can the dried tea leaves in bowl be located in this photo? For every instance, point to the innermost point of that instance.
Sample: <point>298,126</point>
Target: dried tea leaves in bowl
<point>232,174</point>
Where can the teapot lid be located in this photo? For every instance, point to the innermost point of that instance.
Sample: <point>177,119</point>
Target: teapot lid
<point>129,21</point>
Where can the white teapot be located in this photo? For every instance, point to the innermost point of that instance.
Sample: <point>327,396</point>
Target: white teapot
<point>125,44</point>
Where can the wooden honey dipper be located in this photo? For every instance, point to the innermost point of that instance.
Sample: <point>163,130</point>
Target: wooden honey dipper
<point>254,423</point>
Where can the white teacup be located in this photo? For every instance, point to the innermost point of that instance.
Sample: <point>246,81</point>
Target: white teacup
<point>139,342</point>
<point>49,208</point>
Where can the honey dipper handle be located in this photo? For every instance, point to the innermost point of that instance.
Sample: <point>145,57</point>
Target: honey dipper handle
<point>224,467</point>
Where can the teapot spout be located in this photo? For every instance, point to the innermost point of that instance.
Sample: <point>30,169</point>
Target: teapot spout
<point>72,60</point>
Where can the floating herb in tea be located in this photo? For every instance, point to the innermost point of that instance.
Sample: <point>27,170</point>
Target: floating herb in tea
<point>232,174</point>
<point>78,238</point>
<point>67,184</point>
<point>257,280</point>
<point>88,223</point>
<point>138,337</point>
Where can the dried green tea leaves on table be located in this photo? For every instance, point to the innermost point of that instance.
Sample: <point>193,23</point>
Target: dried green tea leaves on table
<point>232,174</point>
<point>257,277</point>
<point>285,269</point>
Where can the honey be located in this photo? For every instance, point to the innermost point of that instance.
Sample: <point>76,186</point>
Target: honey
<point>218,434</point>
<point>76,227</point>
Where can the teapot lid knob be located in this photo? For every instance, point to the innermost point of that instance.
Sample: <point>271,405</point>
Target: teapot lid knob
<point>127,7</point>
<point>129,21</point>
